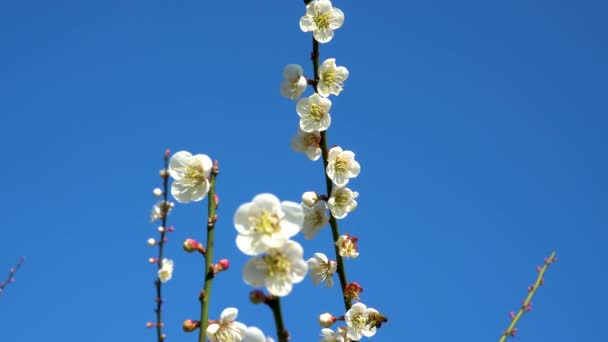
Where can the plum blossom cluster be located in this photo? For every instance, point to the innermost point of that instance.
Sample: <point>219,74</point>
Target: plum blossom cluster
<point>265,226</point>
<point>340,166</point>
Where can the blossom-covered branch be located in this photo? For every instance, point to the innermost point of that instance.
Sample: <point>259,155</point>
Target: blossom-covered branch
<point>161,211</point>
<point>11,275</point>
<point>527,303</point>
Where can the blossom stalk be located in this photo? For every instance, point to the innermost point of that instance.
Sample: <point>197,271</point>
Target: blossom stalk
<point>209,269</point>
<point>527,304</point>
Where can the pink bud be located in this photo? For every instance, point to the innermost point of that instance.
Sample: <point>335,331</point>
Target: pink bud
<point>171,229</point>
<point>538,268</point>
<point>530,288</point>
<point>150,325</point>
<point>167,153</point>
<point>153,260</point>
<point>512,314</point>
<point>216,199</point>
<point>542,281</point>
<point>224,263</point>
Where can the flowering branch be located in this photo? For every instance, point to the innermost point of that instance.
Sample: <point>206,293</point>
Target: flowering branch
<point>275,305</point>
<point>527,304</point>
<point>335,231</point>
<point>210,270</point>
<point>11,275</point>
<point>161,211</point>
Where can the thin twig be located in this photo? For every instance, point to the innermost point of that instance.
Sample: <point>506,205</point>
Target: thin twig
<point>11,275</point>
<point>527,304</point>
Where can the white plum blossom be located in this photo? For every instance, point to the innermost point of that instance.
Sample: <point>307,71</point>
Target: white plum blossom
<point>307,142</point>
<point>166,270</point>
<point>359,322</point>
<point>347,246</point>
<point>322,19</point>
<point>328,335</point>
<point>322,269</point>
<point>277,270</point>
<point>315,218</point>
<point>191,176</point>
<point>342,201</point>
<point>151,242</point>
<point>341,166</point>
<point>254,334</point>
<point>266,223</point>
<point>227,329</point>
<point>294,83</point>
<point>331,78</point>
<point>314,113</point>
<point>159,209</point>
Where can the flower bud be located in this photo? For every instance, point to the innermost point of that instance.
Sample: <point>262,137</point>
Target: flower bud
<point>150,325</point>
<point>310,198</point>
<point>151,242</point>
<point>190,325</point>
<point>326,320</point>
<point>153,260</point>
<point>160,229</point>
<point>157,192</point>
<point>221,265</point>
<point>352,290</point>
<point>191,245</point>
<point>163,173</point>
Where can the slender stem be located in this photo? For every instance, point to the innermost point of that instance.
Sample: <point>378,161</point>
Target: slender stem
<point>335,231</point>
<point>526,304</point>
<point>161,244</point>
<point>11,275</point>
<point>275,306</point>
<point>209,272</point>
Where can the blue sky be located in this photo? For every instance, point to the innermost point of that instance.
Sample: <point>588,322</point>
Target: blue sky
<point>479,125</point>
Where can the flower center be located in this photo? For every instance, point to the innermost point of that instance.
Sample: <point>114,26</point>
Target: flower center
<point>317,112</point>
<point>322,20</point>
<point>359,320</point>
<point>329,77</point>
<point>267,223</point>
<point>194,173</point>
<point>311,140</point>
<point>278,264</point>
<point>226,333</point>
<point>341,165</point>
<point>341,198</point>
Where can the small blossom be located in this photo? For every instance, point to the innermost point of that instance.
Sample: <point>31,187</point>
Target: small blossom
<point>157,192</point>
<point>314,113</point>
<point>266,223</point>
<point>315,218</point>
<point>151,242</point>
<point>342,201</point>
<point>191,176</point>
<point>307,142</point>
<point>327,320</point>
<point>321,269</point>
<point>328,335</point>
<point>310,198</point>
<point>347,246</point>
<point>341,166</point>
<point>166,271</point>
<point>294,83</point>
<point>331,78</point>
<point>358,321</point>
<point>322,19</point>
<point>160,209</point>
<point>227,329</point>
<point>278,270</point>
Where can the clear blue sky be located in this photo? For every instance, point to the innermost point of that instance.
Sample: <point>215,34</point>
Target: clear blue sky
<point>480,127</point>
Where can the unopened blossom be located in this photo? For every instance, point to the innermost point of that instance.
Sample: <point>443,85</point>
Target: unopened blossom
<point>326,320</point>
<point>359,321</point>
<point>277,270</point>
<point>315,218</point>
<point>341,166</point>
<point>151,242</point>
<point>160,209</point>
<point>227,329</point>
<point>254,334</point>
<point>314,113</point>
<point>307,142</point>
<point>328,335</point>
<point>266,223</point>
<point>347,246</point>
<point>342,201</point>
<point>322,269</point>
<point>294,82</point>
<point>191,176</point>
<point>322,19</point>
<point>310,198</point>
<point>157,192</point>
<point>331,78</point>
<point>166,270</point>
